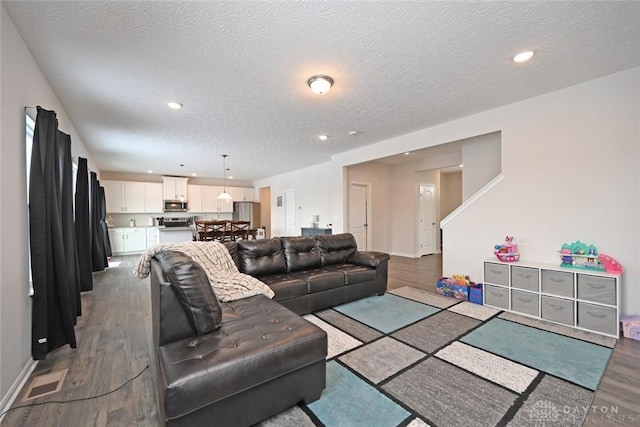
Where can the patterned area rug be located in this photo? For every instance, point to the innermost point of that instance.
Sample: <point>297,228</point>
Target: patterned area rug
<point>412,358</point>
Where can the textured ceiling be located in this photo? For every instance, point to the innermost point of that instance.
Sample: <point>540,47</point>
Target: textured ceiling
<point>240,69</point>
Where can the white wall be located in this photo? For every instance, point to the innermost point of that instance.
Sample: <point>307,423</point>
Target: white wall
<point>313,196</point>
<point>570,172</point>
<point>22,84</point>
<point>481,157</point>
<point>570,161</point>
<point>451,192</point>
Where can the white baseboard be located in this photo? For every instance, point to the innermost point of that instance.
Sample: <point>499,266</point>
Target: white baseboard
<point>405,255</point>
<point>17,385</point>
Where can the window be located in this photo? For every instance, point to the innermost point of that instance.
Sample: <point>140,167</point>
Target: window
<point>30,127</point>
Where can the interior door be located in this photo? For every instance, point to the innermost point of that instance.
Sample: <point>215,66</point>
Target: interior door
<point>358,214</point>
<point>289,206</point>
<point>427,220</point>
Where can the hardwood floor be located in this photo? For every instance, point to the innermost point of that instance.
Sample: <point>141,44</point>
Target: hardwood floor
<point>114,344</point>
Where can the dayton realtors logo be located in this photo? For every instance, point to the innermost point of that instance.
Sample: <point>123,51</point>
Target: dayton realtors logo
<point>546,414</point>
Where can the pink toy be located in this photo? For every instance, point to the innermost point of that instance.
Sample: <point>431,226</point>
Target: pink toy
<point>508,251</point>
<point>610,265</point>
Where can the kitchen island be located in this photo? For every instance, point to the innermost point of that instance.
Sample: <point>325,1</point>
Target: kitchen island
<point>175,234</point>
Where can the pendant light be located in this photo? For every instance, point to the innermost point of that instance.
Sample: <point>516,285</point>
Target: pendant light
<point>224,195</point>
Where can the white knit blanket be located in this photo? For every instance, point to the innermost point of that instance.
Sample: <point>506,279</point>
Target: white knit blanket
<point>214,258</point>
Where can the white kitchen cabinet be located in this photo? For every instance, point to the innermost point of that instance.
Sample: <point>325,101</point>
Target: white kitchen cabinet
<point>113,196</point>
<point>135,239</point>
<point>152,237</point>
<point>241,194</point>
<point>204,199</point>
<point>132,197</point>
<point>194,197</point>
<point>174,188</point>
<point>154,197</point>
<point>210,198</point>
<point>128,240</point>
<point>116,238</point>
<point>583,299</point>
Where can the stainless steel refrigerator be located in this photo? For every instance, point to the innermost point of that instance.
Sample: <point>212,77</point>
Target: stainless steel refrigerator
<point>247,211</point>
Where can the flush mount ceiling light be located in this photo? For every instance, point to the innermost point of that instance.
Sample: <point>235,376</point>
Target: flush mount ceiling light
<point>174,105</point>
<point>523,56</point>
<point>224,195</point>
<point>320,84</point>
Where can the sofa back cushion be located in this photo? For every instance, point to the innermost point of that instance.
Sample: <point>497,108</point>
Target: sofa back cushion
<point>336,248</point>
<point>261,257</point>
<point>191,285</point>
<point>301,253</point>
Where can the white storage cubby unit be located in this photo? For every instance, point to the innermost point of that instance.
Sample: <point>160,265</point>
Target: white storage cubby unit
<point>583,299</point>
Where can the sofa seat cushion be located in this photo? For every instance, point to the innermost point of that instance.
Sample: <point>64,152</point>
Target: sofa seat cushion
<point>259,340</point>
<point>354,273</point>
<point>320,279</point>
<point>285,286</point>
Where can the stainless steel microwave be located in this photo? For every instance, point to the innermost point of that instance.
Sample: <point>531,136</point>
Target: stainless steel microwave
<point>175,206</point>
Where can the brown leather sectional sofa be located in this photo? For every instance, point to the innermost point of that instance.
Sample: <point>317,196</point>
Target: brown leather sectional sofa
<point>263,357</point>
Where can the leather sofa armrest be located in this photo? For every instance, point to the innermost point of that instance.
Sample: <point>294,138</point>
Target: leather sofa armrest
<point>169,320</point>
<point>368,258</point>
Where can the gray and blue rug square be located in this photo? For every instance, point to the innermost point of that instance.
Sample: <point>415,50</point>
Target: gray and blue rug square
<point>577,361</point>
<point>349,401</point>
<point>386,313</point>
<point>399,361</point>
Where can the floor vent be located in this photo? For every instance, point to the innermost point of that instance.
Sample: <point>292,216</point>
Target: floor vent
<point>43,385</point>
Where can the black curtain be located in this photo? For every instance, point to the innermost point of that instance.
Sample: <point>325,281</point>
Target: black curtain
<point>67,218</point>
<point>98,258</point>
<point>106,242</point>
<point>54,300</point>
<point>83,230</point>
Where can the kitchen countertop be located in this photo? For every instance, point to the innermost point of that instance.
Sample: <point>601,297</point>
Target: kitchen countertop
<point>136,226</point>
<point>159,227</point>
<point>165,228</point>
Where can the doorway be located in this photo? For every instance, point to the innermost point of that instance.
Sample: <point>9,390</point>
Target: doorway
<point>359,197</point>
<point>289,205</point>
<point>265,210</point>
<point>427,220</point>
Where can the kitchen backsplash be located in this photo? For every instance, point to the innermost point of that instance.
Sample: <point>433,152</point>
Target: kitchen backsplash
<point>142,220</point>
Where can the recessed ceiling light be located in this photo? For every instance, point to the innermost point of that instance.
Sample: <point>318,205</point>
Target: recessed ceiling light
<point>174,105</point>
<point>323,137</point>
<point>353,133</point>
<point>523,56</point>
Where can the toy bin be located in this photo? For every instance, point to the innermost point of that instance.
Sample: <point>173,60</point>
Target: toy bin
<point>631,326</point>
<point>460,292</point>
<point>475,293</point>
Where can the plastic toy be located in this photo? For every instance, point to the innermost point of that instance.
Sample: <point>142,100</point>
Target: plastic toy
<point>583,256</point>
<point>507,251</point>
